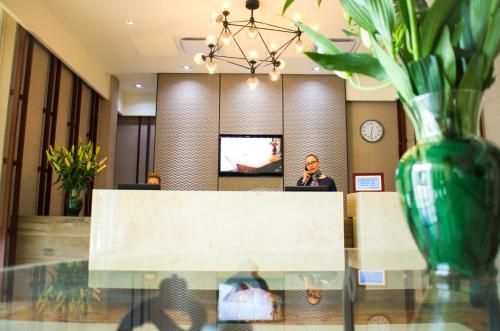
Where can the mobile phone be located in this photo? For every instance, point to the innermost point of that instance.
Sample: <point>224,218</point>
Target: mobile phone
<point>305,168</point>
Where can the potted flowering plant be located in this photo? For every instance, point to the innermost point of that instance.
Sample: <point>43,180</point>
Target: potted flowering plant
<point>440,59</point>
<point>75,168</point>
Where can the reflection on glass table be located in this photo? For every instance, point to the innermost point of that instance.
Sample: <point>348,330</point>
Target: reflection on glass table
<point>370,294</point>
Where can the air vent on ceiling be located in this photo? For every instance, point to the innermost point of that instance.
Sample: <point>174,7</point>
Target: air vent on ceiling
<point>344,44</point>
<point>191,46</point>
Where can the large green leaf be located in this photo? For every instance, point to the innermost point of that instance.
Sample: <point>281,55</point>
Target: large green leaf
<point>360,63</point>
<point>396,74</point>
<point>403,11</point>
<point>322,42</point>
<point>446,56</point>
<point>479,11</point>
<point>425,75</point>
<point>473,77</point>
<point>358,11</point>
<point>491,46</point>
<point>436,17</point>
<point>381,13</point>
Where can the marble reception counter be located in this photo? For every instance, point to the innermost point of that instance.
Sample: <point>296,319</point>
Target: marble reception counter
<point>142,236</point>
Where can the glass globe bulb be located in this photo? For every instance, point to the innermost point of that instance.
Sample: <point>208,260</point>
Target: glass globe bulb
<point>226,37</point>
<point>274,75</point>
<point>211,40</point>
<point>273,47</point>
<point>281,65</point>
<point>198,59</point>
<point>225,6</point>
<point>253,56</point>
<point>211,66</point>
<point>299,46</point>
<point>252,32</point>
<point>252,82</point>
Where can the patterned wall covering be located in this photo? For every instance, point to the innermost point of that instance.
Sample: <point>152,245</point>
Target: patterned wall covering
<point>315,122</point>
<point>248,111</point>
<point>312,109</point>
<point>187,139</point>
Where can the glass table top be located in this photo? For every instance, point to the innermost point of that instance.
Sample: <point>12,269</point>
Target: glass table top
<point>376,290</point>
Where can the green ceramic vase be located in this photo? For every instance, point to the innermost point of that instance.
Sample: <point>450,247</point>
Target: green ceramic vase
<point>449,184</point>
<point>75,203</point>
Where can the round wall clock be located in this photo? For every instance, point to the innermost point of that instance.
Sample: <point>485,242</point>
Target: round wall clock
<point>379,323</point>
<point>371,131</point>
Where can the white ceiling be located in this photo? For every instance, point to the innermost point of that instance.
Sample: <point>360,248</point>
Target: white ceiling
<point>149,46</point>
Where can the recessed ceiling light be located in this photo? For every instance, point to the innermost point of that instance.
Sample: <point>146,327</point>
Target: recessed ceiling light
<point>187,68</point>
<point>139,85</point>
<point>316,69</point>
<point>130,22</point>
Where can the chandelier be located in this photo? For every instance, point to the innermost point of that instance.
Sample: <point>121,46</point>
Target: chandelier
<point>232,30</point>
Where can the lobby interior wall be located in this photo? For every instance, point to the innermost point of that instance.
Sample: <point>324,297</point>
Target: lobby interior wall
<point>308,110</point>
<point>382,156</point>
<point>7,46</point>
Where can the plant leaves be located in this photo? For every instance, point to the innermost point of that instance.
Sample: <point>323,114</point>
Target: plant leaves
<point>381,13</point>
<point>436,17</point>
<point>358,11</point>
<point>326,45</point>
<point>479,12</point>
<point>491,46</point>
<point>286,5</point>
<point>396,74</point>
<point>425,75</point>
<point>360,63</point>
<point>473,77</point>
<point>446,56</point>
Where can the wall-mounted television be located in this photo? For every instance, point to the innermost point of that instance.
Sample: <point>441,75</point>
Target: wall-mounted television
<point>250,155</point>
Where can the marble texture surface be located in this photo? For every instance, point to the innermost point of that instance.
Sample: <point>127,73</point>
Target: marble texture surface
<point>381,235</point>
<point>181,231</point>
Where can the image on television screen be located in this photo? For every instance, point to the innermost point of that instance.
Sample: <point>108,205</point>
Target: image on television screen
<point>239,304</point>
<point>250,155</point>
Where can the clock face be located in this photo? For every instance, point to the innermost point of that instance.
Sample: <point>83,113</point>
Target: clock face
<point>378,323</point>
<point>372,131</point>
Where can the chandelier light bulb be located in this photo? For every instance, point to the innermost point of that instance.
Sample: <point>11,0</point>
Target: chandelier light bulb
<point>252,82</point>
<point>252,32</point>
<point>253,56</point>
<point>198,59</point>
<point>225,6</point>
<point>299,46</point>
<point>281,65</point>
<point>274,75</point>
<point>211,66</point>
<point>211,40</point>
<point>273,47</point>
<point>226,37</point>
<point>213,17</point>
<point>297,18</point>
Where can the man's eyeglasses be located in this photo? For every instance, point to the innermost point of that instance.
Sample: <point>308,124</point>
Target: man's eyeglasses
<point>312,162</point>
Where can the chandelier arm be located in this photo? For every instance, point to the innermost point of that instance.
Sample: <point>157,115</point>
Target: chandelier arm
<point>282,29</point>
<point>236,64</point>
<point>230,57</point>
<point>242,53</point>
<point>232,22</point>
<point>262,62</point>
<point>285,46</point>
<point>234,34</point>
<point>265,45</point>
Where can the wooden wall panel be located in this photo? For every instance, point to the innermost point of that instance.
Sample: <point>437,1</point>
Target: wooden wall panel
<point>32,143</point>
<point>85,113</point>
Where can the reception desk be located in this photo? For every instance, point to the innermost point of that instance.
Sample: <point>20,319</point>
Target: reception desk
<point>146,235</point>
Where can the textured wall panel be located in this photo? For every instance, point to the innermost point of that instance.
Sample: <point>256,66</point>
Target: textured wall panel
<point>250,183</point>
<point>246,111</point>
<point>315,122</point>
<point>187,125</point>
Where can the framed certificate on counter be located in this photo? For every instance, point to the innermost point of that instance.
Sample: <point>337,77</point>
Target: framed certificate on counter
<point>368,182</point>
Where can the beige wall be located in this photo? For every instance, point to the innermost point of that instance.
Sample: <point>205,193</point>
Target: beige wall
<point>492,109</point>
<point>137,104</point>
<point>37,19</point>
<point>7,46</point>
<point>106,135</point>
<point>381,156</point>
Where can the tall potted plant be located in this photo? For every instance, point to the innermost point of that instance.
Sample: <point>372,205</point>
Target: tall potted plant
<point>440,59</point>
<point>75,168</point>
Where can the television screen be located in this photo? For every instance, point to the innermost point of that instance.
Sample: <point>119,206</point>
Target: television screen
<point>250,155</point>
<point>238,303</point>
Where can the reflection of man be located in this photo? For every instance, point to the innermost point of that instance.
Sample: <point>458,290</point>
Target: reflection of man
<point>313,176</point>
